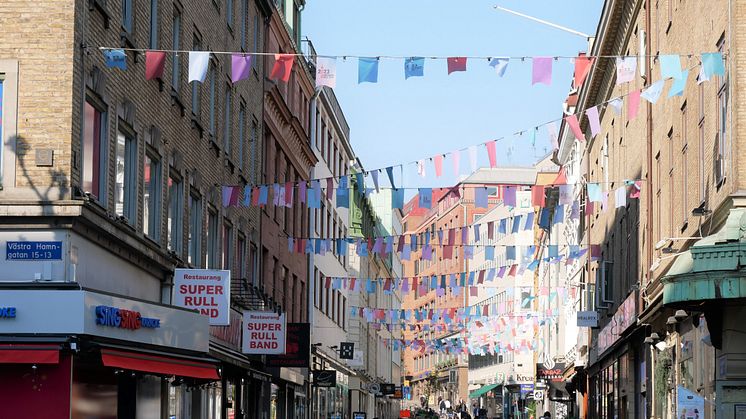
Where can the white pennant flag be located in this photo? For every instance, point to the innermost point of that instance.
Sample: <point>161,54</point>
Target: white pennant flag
<point>653,92</point>
<point>421,168</point>
<point>552,131</point>
<point>456,160</point>
<point>616,104</point>
<point>198,63</point>
<point>473,158</point>
<point>625,69</point>
<point>326,72</point>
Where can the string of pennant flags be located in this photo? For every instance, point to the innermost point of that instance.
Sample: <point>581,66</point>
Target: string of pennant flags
<point>413,66</point>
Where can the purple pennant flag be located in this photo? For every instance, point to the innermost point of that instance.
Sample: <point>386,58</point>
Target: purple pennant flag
<point>593,120</point>
<point>241,67</point>
<point>542,70</point>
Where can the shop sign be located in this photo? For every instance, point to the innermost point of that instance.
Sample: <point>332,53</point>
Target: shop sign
<point>359,415</point>
<point>297,347</point>
<point>7,312</point>
<point>624,317</point>
<point>521,378</point>
<point>587,319</point>
<point>124,319</point>
<point>554,374</point>
<point>388,389</point>
<point>22,250</point>
<point>689,404</point>
<point>264,333</point>
<point>398,394</point>
<point>229,335</point>
<point>357,359</point>
<point>526,389</point>
<point>325,378</point>
<point>207,291</point>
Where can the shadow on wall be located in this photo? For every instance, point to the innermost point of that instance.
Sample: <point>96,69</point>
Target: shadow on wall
<point>58,178</point>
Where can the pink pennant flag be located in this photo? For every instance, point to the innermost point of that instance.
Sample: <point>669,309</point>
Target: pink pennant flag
<point>283,67</point>
<point>572,121</point>
<point>438,161</point>
<point>593,121</point>
<point>633,104</point>
<point>552,131</point>
<point>583,65</point>
<point>492,153</point>
<point>329,188</point>
<point>154,64</point>
<point>456,160</point>
<point>230,196</point>
<point>635,193</point>
<point>456,64</point>
<point>542,70</point>
<point>289,194</point>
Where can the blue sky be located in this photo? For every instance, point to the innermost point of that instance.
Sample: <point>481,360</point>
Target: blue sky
<point>398,120</point>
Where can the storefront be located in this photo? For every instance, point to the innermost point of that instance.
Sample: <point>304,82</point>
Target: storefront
<point>330,389</point>
<point>72,353</point>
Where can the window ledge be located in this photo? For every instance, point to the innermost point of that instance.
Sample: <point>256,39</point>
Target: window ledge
<point>100,6</point>
<point>176,101</point>
<point>196,125</point>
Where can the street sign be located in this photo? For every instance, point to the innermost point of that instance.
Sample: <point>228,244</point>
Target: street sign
<point>31,251</point>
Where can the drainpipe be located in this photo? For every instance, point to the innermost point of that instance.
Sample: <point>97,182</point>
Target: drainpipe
<point>311,222</point>
<point>649,249</point>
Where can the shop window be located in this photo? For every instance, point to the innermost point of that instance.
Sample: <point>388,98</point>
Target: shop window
<point>175,213</point>
<point>94,146</point>
<point>151,199</point>
<point>126,172</point>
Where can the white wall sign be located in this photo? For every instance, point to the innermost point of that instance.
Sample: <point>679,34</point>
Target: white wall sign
<point>205,290</point>
<point>264,333</point>
<point>587,319</point>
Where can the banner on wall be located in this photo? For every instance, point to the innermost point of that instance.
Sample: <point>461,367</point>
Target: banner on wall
<point>297,347</point>
<point>689,405</point>
<point>205,290</point>
<point>264,333</point>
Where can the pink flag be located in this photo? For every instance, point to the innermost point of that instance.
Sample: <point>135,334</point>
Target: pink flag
<point>289,194</point>
<point>438,161</point>
<point>154,64</point>
<point>456,64</point>
<point>230,196</point>
<point>492,153</point>
<point>633,104</point>
<point>329,188</point>
<point>542,70</point>
<point>456,160</point>
<point>593,121</point>
<point>283,67</point>
<point>572,121</point>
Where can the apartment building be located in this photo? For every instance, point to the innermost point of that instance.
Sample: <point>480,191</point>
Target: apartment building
<point>662,282</point>
<point>117,178</point>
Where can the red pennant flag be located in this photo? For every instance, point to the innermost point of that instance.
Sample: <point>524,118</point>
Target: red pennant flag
<point>447,251</point>
<point>400,245</point>
<point>154,64</point>
<point>452,236</point>
<point>485,311</point>
<point>537,196</point>
<point>255,197</point>
<point>456,64</point>
<point>328,282</point>
<point>283,67</point>
<point>329,188</point>
<point>583,65</point>
<point>490,230</point>
<point>288,194</point>
<point>512,270</point>
<point>492,153</point>
<point>352,284</point>
<point>480,280</point>
<point>387,285</point>
<point>572,121</point>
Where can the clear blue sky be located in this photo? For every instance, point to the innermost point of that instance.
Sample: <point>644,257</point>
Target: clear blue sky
<point>398,120</point>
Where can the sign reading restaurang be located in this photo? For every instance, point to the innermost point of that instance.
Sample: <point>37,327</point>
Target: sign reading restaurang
<point>208,291</point>
<point>264,333</point>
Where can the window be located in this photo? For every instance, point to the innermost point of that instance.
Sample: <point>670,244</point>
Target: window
<point>722,130</point>
<point>241,267</point>
<point>256,32</point>
<point>195,230</point>
<point>128,16</point>
<point>227,140</point>
<point>229,13</point>
<point>126,172</point>
<point>254,264</point>
<point>252,151</point>
<point>213,101</point>
<point>702,151</point>
<point>176,45</point>
<point>318,290</point>
<point>153,43</point>
<point>151,195</point>
<point>671,195</point>
<point>241,134</point>
<point>244,24</point>
<point>684,177</point>
<point>196,98</point>
<point>227,245</point>
<point>212,239</point>
<point>175,213</point>
<point>94,147</point>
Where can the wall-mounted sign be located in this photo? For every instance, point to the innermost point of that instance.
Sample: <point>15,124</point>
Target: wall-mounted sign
<point>205,290</point>
<point>264,333</point>
<point>21,250</point>
<point>554,374</point>
<point>297,347</point>
<point>230,335</point>
<point>526,389</point>
<point>625,316</point>
<point>325,378</point>
<point>357,360</point>
<point>587,319</point>
<point>347,350</point>
<point>388,388</point>
<point>359,415</point>
<point>124,319</point>
<point>7,312</point>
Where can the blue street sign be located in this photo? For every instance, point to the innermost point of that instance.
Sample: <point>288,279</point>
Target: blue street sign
<point>33,251</point>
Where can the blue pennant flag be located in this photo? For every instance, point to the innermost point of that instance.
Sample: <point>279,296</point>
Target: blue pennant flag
<point>367,70</point>
<point>414,67</point>
<point>115,58</point>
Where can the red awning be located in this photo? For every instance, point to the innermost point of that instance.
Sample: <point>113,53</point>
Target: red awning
<point>13,353</point>
<point>157,364</point>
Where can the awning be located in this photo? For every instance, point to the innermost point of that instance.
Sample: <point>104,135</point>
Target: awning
<point>29,354</point>
<point>482,391</point>
<point>157,364</point>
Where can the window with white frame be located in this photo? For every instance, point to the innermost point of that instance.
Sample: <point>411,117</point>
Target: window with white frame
<point>126,172</point>
<point>175,223</point>
<point>94,146</point>
<point>195,230</point>
<point>151,194</point>
<point>176,45</point>
<point>213,260</point>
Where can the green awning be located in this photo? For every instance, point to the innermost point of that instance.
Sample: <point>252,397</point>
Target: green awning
<point>481,391</point>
